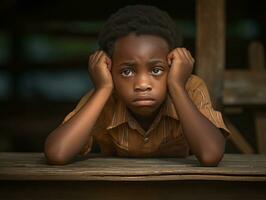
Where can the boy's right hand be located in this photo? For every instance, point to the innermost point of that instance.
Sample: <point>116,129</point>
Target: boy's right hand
<point>100,70</point>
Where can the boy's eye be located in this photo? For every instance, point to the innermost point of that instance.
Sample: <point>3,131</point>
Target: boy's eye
<point>157,71</point>
<point>126,72</point>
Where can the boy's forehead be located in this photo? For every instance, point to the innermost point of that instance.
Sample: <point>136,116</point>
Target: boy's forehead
<point>132,46</point>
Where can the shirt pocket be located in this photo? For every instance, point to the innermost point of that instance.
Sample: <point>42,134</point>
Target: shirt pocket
<point>119,137</point>
<point>121,150</point>
<point>174,147</point>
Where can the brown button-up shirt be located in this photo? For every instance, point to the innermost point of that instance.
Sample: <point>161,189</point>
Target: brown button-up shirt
<point>119,134</point>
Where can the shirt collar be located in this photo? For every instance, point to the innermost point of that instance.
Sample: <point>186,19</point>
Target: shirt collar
<point>121,114</point>
<point>168,108</point>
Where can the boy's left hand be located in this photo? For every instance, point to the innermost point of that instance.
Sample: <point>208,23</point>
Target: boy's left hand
<point>181,65</point>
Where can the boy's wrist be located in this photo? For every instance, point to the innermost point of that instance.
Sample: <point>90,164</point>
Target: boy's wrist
<point>176,88</point>
<point>107,89</point>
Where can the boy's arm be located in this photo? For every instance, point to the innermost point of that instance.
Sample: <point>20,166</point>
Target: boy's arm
<point>68,139</point>
<point>206,141</point>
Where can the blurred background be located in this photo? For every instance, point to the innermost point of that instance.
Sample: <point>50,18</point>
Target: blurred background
<point>44,47</point>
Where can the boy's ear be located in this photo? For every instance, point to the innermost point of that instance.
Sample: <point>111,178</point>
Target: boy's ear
<point>169,61</point>
<point>109,62</point>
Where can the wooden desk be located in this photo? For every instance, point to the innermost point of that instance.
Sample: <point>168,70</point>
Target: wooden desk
<point>27,176</point>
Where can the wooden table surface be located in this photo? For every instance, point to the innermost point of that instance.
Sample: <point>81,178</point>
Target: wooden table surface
<point>33,166</point>
<point>96,177</point>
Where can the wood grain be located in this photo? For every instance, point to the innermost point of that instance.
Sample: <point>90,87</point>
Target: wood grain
<point>33,166</point>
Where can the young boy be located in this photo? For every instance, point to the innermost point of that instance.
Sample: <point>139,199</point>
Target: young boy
<point>145,102</point>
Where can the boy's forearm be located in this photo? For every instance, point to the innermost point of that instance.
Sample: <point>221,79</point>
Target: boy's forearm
<point>67,140</point>
<point>204,138</point>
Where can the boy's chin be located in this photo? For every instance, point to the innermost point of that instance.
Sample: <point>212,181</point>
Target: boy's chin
<point>144,111</point>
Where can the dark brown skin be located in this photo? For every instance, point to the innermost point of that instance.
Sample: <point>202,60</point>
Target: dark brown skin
<point>140,69</point>
<point>140,66</point>
<point>204,138</point>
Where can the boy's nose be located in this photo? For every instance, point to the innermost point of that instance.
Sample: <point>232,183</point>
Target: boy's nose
<point>142,84</point>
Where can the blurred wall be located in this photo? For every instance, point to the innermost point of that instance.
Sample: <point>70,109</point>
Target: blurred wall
<point>44,47</point>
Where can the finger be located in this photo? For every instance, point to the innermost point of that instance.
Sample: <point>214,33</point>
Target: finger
<point>91,61</point>
<point>178,55</point>
<point>96,59</point>
<point>101,58</point>
<point>98,56</point>
<point>93,58</point>
<point>190,56</point>
<point>184,52</point>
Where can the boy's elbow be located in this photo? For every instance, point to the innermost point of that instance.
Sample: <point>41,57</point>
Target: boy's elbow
<point>210,159</point>
<point>56,161</point>
<point>55,158</point>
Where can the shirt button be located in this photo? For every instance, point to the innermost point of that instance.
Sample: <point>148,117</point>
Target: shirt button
<point>146,139</point>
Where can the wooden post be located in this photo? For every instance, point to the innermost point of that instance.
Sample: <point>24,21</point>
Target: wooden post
<point>210,56</point>
<point>210,46</point>
<point>256,55</point>
<point>260,124</point>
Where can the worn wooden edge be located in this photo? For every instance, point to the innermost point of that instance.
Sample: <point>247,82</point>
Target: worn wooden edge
<point>32,166</point>
<point>21,177</point>
<point>114,174</point>
<point>103,171</point>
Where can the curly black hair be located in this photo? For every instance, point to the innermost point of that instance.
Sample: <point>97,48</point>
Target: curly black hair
<point>138,19</point>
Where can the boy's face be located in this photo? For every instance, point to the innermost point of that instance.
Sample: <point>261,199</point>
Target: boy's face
<point>139,71</point>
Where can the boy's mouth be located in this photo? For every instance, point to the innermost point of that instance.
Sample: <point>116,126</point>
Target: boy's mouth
<point>144,101</point>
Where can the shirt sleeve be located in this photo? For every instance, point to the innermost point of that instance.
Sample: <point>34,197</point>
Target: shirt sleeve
<point>202,100</point>
<point>81,102</point>
<point>88,145</point>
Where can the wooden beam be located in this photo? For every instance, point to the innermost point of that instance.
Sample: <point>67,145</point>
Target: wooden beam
<point>260,124</point>
<point>244,87</point>
<point>238,140</point>
<point>210,46</point>
<point>256,56</point>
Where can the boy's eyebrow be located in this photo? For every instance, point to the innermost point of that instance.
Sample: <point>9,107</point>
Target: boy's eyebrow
<point>151,61</point>
<point>127,62</point>
<point>156,60</point>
